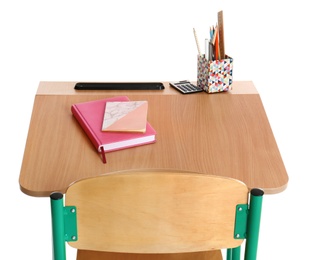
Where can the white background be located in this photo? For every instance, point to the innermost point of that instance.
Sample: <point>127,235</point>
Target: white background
<point>140,40</point>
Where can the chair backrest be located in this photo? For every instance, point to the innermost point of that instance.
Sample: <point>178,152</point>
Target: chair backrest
<point>156,211</point>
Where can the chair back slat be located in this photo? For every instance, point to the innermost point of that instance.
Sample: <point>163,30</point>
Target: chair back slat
<point>156,212</point>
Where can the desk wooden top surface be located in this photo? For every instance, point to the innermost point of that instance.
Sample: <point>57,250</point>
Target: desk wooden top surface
<point>226,134</point>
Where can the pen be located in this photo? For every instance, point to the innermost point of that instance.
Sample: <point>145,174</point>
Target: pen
<point>210,51</point>
<point>207,48</point>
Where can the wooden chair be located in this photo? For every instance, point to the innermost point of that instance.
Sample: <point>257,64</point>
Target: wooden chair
<point>156,214</point>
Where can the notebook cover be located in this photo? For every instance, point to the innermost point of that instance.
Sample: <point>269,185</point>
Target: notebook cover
<point>125,116</point>
<point>90,117</point>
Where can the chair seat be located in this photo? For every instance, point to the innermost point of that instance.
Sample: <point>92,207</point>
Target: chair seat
<point>96,255</point>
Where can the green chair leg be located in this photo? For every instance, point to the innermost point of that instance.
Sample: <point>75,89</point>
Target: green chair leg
<point>236,253</point>
<point>229,254</point>
<point>233,253</point>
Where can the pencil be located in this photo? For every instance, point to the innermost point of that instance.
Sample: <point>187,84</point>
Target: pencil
<point>197,43</point>
<point>216,46</point>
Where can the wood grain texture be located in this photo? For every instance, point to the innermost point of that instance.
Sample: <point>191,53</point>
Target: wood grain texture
<point>220,21</point>
<point>226,134</point>
<point>156,211</point>
<point>96,255</point>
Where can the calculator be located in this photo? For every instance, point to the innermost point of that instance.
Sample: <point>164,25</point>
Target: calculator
<point>185,87</point>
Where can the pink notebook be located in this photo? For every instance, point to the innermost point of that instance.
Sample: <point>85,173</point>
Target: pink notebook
<point>90,116</point>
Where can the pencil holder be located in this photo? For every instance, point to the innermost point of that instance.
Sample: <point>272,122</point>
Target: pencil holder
<point>214,75</point>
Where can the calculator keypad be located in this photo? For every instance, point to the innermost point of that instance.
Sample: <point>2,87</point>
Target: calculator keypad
<point>186,87</point>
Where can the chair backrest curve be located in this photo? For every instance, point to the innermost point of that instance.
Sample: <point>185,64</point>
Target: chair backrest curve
<point>156,211</point>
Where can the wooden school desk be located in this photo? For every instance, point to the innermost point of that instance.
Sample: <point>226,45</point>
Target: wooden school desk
<point>225,134</point>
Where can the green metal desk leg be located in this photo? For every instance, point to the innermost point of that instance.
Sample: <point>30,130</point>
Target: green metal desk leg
<point>253,224</point>
<point>57,210</point>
